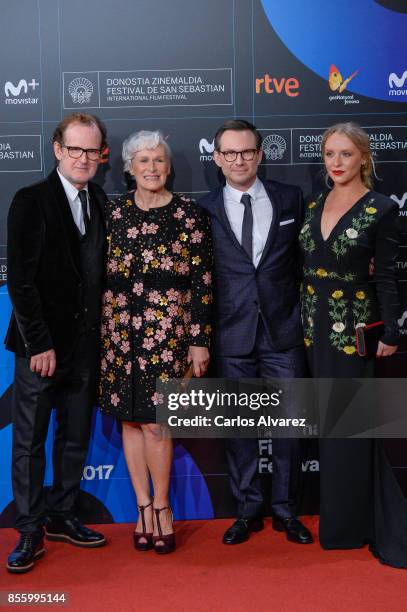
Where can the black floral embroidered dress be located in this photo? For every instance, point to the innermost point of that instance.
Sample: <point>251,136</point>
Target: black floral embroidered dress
<point>157,301</point>
<point>360,499</point>
<point>337,295</point>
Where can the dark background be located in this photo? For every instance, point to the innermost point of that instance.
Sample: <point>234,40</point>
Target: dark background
<point>49,43</point>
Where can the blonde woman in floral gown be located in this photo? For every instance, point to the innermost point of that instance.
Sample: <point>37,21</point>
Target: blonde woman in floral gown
<point>344,228</point>
<point>156,320</point>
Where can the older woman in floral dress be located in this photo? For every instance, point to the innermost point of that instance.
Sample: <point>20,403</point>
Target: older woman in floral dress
<point>155,320</point>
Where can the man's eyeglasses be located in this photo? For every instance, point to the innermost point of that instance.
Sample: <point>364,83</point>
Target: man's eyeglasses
<point>231,156</point>
<point>77,152</point>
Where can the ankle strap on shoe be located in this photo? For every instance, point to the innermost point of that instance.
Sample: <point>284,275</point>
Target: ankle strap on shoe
<point>142,508</point>
<point>157,514</point>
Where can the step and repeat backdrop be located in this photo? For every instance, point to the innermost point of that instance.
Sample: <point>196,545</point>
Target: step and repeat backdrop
<point>184,67</point>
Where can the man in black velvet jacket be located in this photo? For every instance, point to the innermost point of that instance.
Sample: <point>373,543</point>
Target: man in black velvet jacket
<point>258,331</point>
<point>56,254</point>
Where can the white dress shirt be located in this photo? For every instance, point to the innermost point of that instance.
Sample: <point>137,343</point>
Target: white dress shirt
<point>262,210</point>
<point>74,202</point>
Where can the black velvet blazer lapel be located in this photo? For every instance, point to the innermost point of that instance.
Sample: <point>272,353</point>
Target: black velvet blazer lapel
<point>71,230</point>
<point>98,199</point>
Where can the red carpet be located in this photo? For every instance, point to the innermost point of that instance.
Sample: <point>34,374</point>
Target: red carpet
<point>265,573</point>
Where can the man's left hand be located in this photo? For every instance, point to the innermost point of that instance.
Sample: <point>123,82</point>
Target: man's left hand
<point>44,363</point>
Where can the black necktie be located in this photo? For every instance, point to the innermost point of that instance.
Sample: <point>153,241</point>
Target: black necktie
<point>84,203</point>
<point>247,227</point>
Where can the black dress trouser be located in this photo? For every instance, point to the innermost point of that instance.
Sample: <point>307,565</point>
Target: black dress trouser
<point>243,454</point>
<point>72,391</point>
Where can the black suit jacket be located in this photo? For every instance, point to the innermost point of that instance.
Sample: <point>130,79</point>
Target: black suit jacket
<point>243,292</point>
<point>44,271</point>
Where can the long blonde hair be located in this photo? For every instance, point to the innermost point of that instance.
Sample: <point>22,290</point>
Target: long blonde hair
<point>361,140</point>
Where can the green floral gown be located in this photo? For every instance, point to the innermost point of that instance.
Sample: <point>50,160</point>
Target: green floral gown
<point>361,502</point>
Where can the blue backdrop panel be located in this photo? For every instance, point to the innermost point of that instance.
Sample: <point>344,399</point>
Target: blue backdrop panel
<point>363,35</point>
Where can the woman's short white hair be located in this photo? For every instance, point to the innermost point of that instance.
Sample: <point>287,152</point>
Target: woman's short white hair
<point>142,140</point>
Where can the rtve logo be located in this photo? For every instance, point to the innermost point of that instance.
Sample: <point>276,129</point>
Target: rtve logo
<point>278,85</point>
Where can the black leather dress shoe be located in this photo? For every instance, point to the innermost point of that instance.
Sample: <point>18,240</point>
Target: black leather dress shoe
<point>30,547</point>
<point>241,529</point>
<point>71,530</point>
<point>295,530</point>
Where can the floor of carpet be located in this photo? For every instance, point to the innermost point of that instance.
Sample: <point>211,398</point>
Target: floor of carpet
<point>265,573</point>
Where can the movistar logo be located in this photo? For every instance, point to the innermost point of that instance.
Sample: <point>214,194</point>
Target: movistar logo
<point>400,201</point>
<point>402,319</point>
<point>395,81</point>
<point>204,145</point>
<point>397,84</point>
<point>206,149</point>
<point>15,90</point>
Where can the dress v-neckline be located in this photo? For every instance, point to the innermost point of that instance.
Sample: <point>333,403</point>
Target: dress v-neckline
<point>345,214</point>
